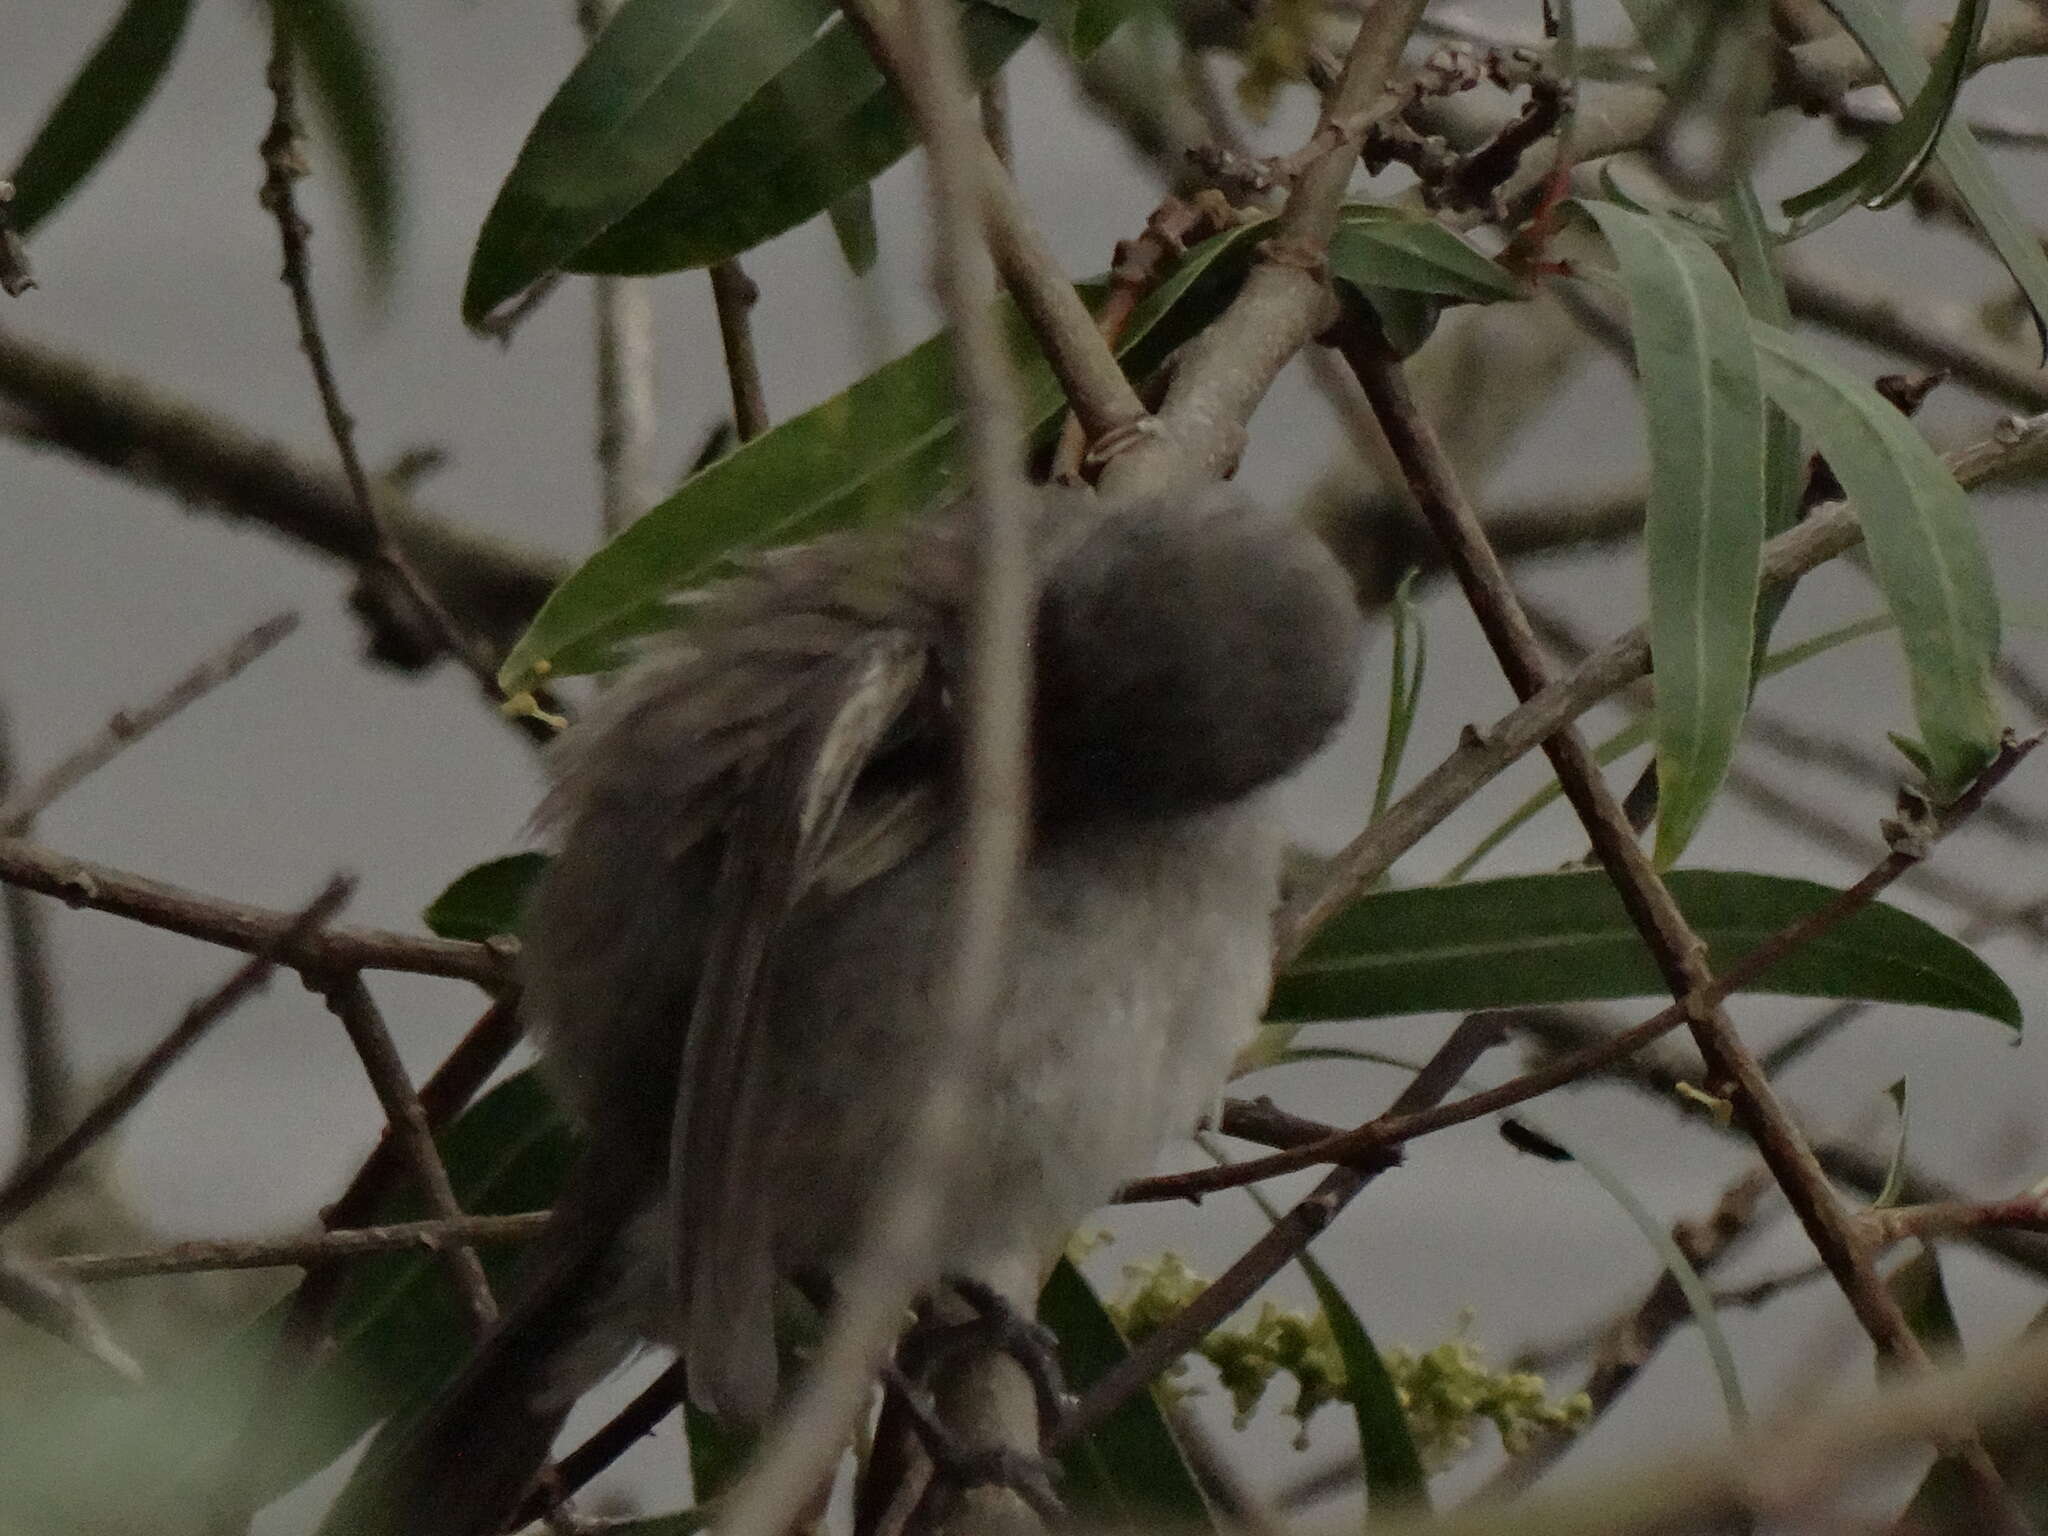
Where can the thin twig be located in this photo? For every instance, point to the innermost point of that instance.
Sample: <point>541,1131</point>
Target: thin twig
<point>39,1176</point>
<point>128,726</point>
<point>1679,952</point>
<point>284,163</point>
<point>251,929</point>
<point>735,294</point>
<point>1948,1218</point>
<point>350,1001</point>
<point>606,1444</point>
<point>1277,1247</point>
<point>318,1251</point>
<point>49,1082</point>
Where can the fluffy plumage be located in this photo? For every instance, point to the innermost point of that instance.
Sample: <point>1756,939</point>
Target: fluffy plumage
<point>734,964</point>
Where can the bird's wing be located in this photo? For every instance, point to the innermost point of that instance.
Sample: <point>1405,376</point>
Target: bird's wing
<point>787,833</point>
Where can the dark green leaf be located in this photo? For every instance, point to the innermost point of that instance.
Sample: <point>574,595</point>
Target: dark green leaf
<point>884,448</point>
<point>1130,1471</point>
<point>1394,1478</point>
<point>1882,173</point>
<point>1088,24</point>
<point>1883,35</point>
<point>400,1329</point>
<point>660,81</point>
<point>1924,548</point>
<point>853,226</point>
<point>486,901</point>
<point>824,124</point>
<point>106,95</point>
<point>1377,247</point>
<point>1946,1500</point>
<point>1704,526</point>
<point>353,96</point>
<point>1922,1294</point>
<point>1562,938</point>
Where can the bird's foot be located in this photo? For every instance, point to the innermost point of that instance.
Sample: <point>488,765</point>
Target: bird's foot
<point>1029,1477</point>
<point>1000,1327</point>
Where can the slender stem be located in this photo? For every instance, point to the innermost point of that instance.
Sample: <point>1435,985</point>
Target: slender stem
<point>301,1252</point>
<point>735,294</point>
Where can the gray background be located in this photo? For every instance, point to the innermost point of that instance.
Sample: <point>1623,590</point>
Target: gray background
<point>165,266</point>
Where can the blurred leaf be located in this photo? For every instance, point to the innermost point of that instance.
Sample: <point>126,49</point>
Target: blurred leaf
<point>400,1330</point>
<point>1376,247</point>
<point>883,449</point>
<point>1923,543</point>
<point>1881,175</point>
<point>1698,1300</point>
<point>853,226</point>
<point>1704,525</point>
<point>1130,1471</point>
<point>687,1523</point>
<point>103,99</point>
<point>806,133</point>
<point>1633,735</point>
<point>1895,1175</point>
<point>663,77</point>
<point>353,95</point>
<point>487,900</point>
<point>1394,1477</point>
<point>1085,25</point>
<point>1883,35</point>
<point>1946,1500</point>
<point>1404,690</point>
<point>1563,938</point>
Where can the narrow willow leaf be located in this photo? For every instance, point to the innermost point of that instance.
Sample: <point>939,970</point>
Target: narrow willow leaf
<point>1088,24</point>
<point>824,123</point>
<point>1883,35</point>
<point>1880,176</point>
<point>1404,690</point>
<point>1704,526</point>
<point>486,901</point>
<point>1394,1477</point>
<point>853,226</point>
<point>884,448</point>
<point>1923,543</point>
<point>1699,1301</point>
<point>1377,247</point>
<point>664,77</point>
<point>103,99</point>
<point>1895,1174</point>
<point>1634,734</point>
<point>349,87</point>
<point>1131,1471</point>
<point>1566,938</point>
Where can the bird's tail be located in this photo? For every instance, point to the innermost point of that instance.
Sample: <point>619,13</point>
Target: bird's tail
<point>463,1465</point>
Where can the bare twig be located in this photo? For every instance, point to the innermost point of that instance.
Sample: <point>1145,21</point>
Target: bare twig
<point>607,1443</point>
<point>15,276</point>
<point>22,806</point>
<point>283,164</point>
<point>735,294</point>
<point>1825,533</point>
<point>318,1251</point>
<point>39,1176</point>
<point>49,1084</point>
<point>351,1002</point>
<point>1677,949</point>
<point>1949,1218</point>
<point>240,925</point>
<point>1277,1247</point>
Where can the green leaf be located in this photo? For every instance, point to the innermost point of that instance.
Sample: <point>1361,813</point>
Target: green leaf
<point>1563,938</point>
<point>1394,1477</point>
<point>400,1330</point>
<point>1883,35</point>
<point>664,76</point>
<point>1881,175</point>
<point>1404,691</point>
<point>853,226</point>
<point>1923,543</point>
<point>103,99</point>
<point>1704,526</point>
<point>1087,24</point>
<point>486,901</point>
<point>1698,1300</point>
<point>884,448</point>
<point>1376,247</point>
<point>1131,1471</point>
<point>824,124</point>
<point>1895,1174</point>
<point>353,95</point>
<point>1633,735</point>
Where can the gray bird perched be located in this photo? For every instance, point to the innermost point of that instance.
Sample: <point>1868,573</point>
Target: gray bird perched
<point>734,966</point>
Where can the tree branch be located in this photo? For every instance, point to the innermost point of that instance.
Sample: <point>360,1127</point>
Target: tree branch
<point>314,1252</point>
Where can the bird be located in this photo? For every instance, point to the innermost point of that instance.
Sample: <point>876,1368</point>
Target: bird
<point>734,963</point>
